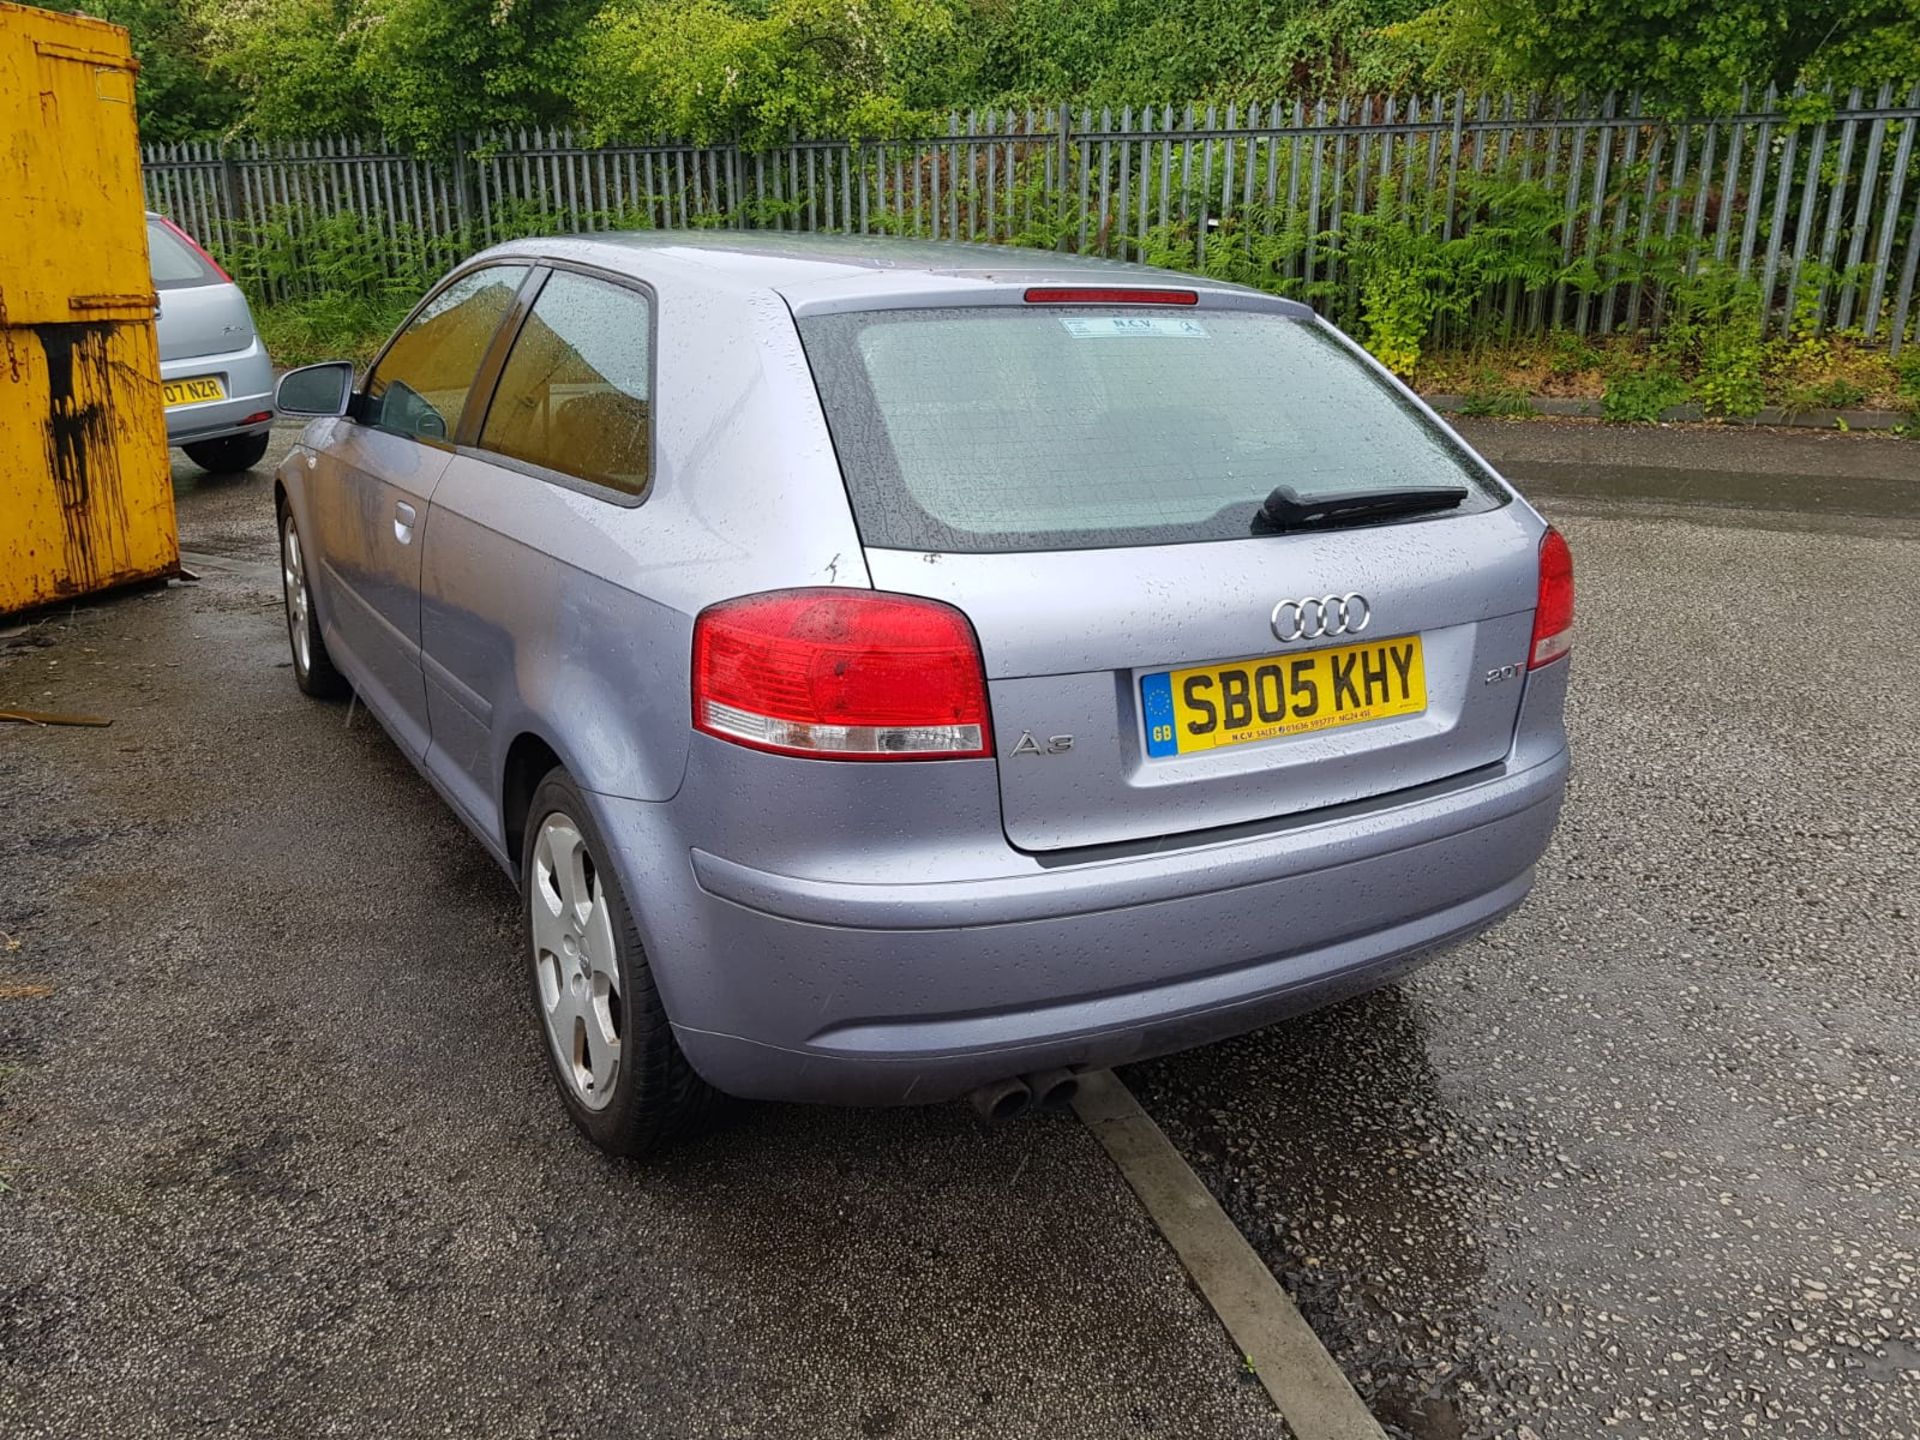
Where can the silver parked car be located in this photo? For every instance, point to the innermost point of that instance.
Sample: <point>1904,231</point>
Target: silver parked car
<point>214,372</point>
<point>897,671</point>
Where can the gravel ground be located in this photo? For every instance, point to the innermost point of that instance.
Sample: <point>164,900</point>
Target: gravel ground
<point>1646,1160</point>
<point>281,1157</point>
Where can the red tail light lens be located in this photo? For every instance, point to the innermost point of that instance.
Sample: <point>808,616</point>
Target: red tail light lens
<point>1107,295</point>
<point>197,248</point>
<point>1553,616</point>
<point>841,674</point>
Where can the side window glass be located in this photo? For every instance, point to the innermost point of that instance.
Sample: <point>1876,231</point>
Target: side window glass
<point>576,392</point>
<point>421,385</point>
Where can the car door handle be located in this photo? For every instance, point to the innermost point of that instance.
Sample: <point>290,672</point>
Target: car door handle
<point>403,523</point>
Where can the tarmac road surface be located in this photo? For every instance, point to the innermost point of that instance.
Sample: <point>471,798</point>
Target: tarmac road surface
<point>281,1157</point>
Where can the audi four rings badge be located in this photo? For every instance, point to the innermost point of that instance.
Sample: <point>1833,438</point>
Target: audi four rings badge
<point>1320,615</point>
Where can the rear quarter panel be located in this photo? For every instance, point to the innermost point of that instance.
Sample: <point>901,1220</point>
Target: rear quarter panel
<point>566,612</point>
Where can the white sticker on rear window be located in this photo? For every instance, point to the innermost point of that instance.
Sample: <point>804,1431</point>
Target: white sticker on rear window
<point>1106,327</point>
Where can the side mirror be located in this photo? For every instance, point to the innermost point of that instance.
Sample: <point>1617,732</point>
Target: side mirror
<point>315,389</point>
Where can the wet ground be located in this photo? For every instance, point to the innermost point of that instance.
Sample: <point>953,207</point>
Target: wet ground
<point>280,1158</point>
<point>1646,1160</point>
<point>280,1155</point>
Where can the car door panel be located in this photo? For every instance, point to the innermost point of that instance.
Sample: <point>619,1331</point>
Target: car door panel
<point>533,615</point>
<point>370,490</point>
<point>530,622</point>
<point>371,574</point>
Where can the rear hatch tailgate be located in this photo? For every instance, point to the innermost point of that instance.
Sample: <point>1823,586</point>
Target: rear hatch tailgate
<point>202,312</point>
<point>1167,521</point>
<point>203,320</point>
<point>1074,642</point>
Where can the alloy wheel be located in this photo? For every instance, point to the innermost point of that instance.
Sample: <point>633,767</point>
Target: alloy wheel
<point>574,961</point>
<point>293,577</point>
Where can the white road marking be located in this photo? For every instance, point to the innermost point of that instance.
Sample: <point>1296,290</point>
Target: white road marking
<point>1310,1391</point>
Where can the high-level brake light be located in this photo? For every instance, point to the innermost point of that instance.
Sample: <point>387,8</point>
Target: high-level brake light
<point>1107,295</point>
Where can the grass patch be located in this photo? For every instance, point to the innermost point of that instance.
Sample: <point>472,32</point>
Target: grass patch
<point>1731,372</point>
<point>1493,393</point>
<point>1642,396</point>
<point>329,327</point>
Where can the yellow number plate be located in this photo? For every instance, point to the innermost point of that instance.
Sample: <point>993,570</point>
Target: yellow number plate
<point>1210,706</point>
<point>195,390</point>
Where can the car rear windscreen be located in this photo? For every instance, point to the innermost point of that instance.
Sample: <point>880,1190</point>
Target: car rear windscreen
<point>173,261</point>
<point>1000,428</point>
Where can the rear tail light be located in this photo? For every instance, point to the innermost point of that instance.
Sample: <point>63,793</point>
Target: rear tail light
<point>198,249</point>
<point>841,674</point>
<point>1553,615</point>
<point>1107,295</point>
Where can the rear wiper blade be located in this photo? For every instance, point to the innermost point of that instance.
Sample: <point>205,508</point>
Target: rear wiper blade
<point>1286,510</point>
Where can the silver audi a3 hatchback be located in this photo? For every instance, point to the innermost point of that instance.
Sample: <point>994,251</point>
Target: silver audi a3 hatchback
<point>899,671</point>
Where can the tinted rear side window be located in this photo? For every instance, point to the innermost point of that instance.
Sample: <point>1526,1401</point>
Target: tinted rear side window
<point>174,264</point>
<point>576,393</point>
<point>1014,428</point>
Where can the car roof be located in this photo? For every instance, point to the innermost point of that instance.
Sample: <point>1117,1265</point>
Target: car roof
<point>805,267</point>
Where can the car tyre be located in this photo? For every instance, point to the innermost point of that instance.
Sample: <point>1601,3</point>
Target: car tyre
<point>230,454</point>
<point>621,1074</point>
<point>313,668</point>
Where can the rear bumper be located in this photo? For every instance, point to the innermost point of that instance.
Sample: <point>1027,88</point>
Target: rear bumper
<point>885,993</point>
<point>247,376</point>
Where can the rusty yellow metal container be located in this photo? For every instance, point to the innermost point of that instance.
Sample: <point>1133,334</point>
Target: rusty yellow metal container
<point>86,489</point>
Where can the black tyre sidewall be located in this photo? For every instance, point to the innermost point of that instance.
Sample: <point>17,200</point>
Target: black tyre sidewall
<point>612,1127</point>
<point>319,679</point>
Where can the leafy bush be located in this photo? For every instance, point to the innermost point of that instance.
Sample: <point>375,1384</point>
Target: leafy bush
<point>420,71</point>
<point>1686,55</point>
<point>1713,331</point>
<point>175,46</point>
<point>338,254</point>
<point>426,70</point>
<point>291,65</point>
<point>328,327</point>
<point>1642,396</point>
<point>710,70</point>
<point>1907,369</point>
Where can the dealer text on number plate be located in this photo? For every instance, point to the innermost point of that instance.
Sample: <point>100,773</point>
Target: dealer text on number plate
<point>196,390</point>
<point>1209,706</point>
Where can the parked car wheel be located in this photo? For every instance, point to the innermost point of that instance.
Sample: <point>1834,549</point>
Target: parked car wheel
<point>619,1070</point>
<point>228,455</point>
<point>312,667</point>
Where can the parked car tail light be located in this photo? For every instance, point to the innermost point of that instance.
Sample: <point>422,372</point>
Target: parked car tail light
<point>1107,295</point>
<point>841,674</point>
<point>198,249</point>
<point>1553,615</point>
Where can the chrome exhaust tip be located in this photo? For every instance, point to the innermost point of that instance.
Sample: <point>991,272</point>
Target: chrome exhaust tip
<point>1053,1089</point>
<point>1001,1100</point>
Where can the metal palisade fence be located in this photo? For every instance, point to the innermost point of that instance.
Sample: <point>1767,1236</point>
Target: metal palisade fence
<point>1507,214</point>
